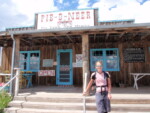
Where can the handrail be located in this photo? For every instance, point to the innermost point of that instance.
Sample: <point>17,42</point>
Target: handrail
<point>84,88</point>
<point>4,74</point>
<point>8,83</point>
<point>16,82</point>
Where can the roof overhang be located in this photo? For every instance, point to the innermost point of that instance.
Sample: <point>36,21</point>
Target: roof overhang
<point>87,30</point>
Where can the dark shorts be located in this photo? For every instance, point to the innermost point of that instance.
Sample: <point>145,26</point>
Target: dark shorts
<point>102,102</point>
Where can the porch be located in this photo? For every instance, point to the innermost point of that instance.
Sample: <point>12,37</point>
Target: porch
<point>92,42</point>
<point>52,99</point>
<point>72,91</point>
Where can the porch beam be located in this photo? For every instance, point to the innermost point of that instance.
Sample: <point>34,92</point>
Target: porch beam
<point>120,36</point>
<point>85,53</point>
<point>69,38</point>
<point>107,35</point>
<point>144,36</point>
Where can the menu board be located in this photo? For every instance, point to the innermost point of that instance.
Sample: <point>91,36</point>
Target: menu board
<point>134,55</point>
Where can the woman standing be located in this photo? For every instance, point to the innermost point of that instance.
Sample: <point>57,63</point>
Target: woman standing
<point>103,88</point>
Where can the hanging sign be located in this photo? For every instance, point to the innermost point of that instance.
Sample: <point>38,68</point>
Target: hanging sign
<point>65,19</point>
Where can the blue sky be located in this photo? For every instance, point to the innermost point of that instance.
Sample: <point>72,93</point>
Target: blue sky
<point>18,13</point>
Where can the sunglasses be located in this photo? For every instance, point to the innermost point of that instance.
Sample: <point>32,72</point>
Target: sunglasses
<point>99,66</point>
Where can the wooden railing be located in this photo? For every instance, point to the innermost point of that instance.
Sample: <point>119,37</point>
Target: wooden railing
<point>16,78</point>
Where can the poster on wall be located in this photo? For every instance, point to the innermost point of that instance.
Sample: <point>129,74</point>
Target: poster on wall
<point>79,60</point>
<point>134,55</point>
<point>46,73</point>
<point>47,62</point>
<point>65,19</point>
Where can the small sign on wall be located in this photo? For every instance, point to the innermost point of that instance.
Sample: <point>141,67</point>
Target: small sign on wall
<point>79,60</point>
<point>46,73</point>
<point>134,55</point>
<point>47,62</point>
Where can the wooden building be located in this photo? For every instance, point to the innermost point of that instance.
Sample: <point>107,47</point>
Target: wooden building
<point>71,50</point>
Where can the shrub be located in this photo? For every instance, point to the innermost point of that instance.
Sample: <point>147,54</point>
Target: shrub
<point>5,98</point>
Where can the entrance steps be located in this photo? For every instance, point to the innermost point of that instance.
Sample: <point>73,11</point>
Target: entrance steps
<point>73,103</point>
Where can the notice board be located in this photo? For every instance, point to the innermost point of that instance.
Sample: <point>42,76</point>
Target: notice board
<point>134,55</point>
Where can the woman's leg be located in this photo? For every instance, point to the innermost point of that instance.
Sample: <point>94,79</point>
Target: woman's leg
<point>99,102</point>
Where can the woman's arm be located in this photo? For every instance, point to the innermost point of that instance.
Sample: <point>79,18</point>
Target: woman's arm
<point>109,85</point>
<point>109,88</point>
<point>88,87</point>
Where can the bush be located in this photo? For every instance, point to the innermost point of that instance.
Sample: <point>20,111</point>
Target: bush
<point>5,98</point>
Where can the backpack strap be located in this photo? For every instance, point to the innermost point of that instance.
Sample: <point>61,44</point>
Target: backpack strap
<point>106,76</point>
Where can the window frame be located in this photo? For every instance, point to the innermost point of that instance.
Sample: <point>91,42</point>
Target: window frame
<point>28,61</point>
<point>104,59</point>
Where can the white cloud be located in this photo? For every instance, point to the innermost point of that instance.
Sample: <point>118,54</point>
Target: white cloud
<point>60,1</point>
<point>83,4</point>
<point>30,7</point>
<point>126,9</point>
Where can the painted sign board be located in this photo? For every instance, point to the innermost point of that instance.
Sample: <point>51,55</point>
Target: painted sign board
<point>46,73</point>
<point>65,19</point>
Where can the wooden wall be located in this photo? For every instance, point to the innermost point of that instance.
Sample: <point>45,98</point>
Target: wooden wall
<point>126,68</point>
<point>49,52</point>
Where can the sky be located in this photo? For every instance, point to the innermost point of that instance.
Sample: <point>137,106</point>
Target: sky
<point>21,13</point>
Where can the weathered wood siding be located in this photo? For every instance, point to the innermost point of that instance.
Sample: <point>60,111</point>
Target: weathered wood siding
<point>49,52</point>
<point>126,68</point>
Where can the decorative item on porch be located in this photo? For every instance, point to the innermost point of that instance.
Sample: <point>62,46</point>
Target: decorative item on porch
<point>22,80</point>
<point>6,88</point>
<point>28,76</point>
<point>4,79</point>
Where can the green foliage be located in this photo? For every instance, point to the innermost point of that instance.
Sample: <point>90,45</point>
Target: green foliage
<point>5,98</point>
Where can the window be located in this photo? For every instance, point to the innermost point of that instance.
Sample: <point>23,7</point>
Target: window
<point>30,60</point>
<point>109,57</point>
<point>1,49</point>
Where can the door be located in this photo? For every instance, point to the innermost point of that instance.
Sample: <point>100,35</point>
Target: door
<point>64,67</point>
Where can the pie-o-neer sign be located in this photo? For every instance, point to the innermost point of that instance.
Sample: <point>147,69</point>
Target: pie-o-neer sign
<point>65,19</point>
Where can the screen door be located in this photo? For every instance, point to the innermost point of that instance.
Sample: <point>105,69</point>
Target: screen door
<point>64,67</point>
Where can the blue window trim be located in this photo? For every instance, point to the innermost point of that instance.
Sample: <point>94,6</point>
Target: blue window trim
<point>104,59</point>
<point>28,60</point>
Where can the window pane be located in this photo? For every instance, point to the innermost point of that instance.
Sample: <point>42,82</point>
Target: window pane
<point>97,54</point>
<point>34,56</point>
<point>23,56</point>
<point>23,65</point>
<point>111,54</point>
<point>65,58</point>
<point>34,65</point>
<point>111,64</point>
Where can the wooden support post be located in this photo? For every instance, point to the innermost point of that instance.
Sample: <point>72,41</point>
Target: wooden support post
<point>85,53</point>
<point>17,81</point>
<point>17,52</point>
<point>16,62</point>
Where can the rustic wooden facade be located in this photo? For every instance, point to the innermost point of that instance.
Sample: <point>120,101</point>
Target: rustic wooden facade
<point>81,40</point>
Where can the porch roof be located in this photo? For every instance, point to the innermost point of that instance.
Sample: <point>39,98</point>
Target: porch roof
<point>120,32</point>
<point>135,27</point>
